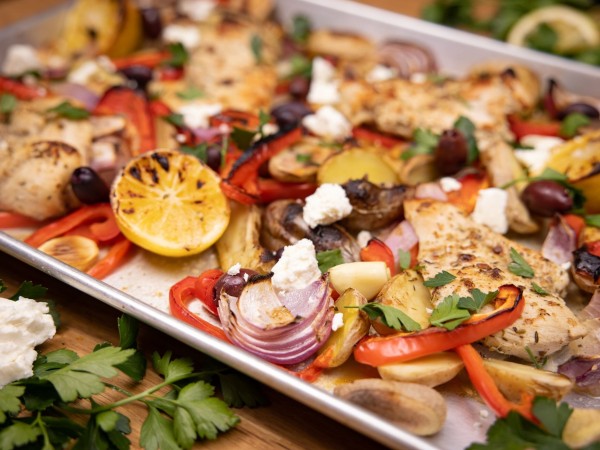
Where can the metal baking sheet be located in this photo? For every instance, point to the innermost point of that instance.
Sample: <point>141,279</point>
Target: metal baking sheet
<point>140,288</point>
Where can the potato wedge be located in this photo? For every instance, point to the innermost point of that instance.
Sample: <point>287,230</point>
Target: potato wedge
<point>355,164</point>
<point>582,428</point>
<point>513,379</point>
<point>419,169</point>
<point>240,242</point>
<point>340,343</point>
<point>416,408</point>
<point>407,293</point>
<point>300,162</point>
<point>431,370</point>
<point>366,277</point>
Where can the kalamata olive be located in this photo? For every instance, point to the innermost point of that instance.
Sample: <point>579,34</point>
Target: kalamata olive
<point>232,284</point>
<point>88,187</point>
<point>451,152</point>
<point>151,22</point>
<point>581,108</point>
<point>213,157</point>
<point>290,114</point>
<point>299,87</point>
<point>546,198</point>
<point>140,75</point>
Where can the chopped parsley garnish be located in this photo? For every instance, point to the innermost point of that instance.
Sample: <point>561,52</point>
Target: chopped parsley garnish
<point>424,143</point>
<point>572,123</point>
<point>29,290</point>
<point>440,279</point>
<point>467,128</point>
<point>519,266</point>
<point>179,55</point>
<point>300,29</point>
<point>592,220</point>
<point>329,258</point>
<point>8,103</point>
<point>540,290</point>
<point>543,38</point>
<point>390,316</point>
<point>477,300</point>
<point>199,151</point>
<point>190,93</point>
<point>242,138</point>
<point>304,158</point>
<point>448,314</point>
<point>256,45</point>
<point>175,119</point>
<point>68,111</point>
<point>404,258</point>
<point>536,362</point>
<point>300,66</point>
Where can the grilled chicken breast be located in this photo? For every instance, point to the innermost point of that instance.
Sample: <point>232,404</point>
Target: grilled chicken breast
<point>479,258</point>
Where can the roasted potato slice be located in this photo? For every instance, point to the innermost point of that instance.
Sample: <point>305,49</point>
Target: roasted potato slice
<point>366,277</point>
<point>346,46</point>
<point>431,370</point>
<point>355,164</point>
<point>300,162</point>
<point>582,428</point>
<point>340,343</point>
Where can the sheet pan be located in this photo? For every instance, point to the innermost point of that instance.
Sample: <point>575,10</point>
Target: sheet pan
<point>141,287</point>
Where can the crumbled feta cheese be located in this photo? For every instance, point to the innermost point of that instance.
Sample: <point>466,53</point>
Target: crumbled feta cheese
<point>428,310</point>
<point>328,122</point>
<point>490,209</point>
<point>235,269</point>
<point>246,276</point>
<point>418,78</point>
<point>535,159</point>
<point>323,85</point>
<point>104,155</point>
<point>381,73</point>
<point>187,35</point>
<point>83,73</point>
<point>363,238</point>
<point>337,322</point>
<point>196,115</point>
<point>449,184</point>
<point>196,9</point>
<point>25,324</point>
<point>327,205</point>
<point>19,59</point>
<point>269,128</point>
<point>105,63</point>
<point>566,265</point>
<point>297,267</point>
<point>484,413</point>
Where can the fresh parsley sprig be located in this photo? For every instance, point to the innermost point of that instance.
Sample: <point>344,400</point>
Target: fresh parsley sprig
<point>424,143</point>
<point>519,266</point>
<point>440,279</point>
<point>68,111</point>
<point>390,316</point>
<point>329,258</point>
<point>448,314</point>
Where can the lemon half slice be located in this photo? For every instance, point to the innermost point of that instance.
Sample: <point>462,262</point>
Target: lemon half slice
<point>576,31</point>
<point>169,203</point>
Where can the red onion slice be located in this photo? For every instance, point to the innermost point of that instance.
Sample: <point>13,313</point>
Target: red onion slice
<point>402,237</point>
<point>77,92</point>
<point>560,243</point>
<point>584,371</point>
<point>592,309</point>
<point>431,190</point>
<point>407,58</point>
<point>283,329</point>
<point>206,134</point>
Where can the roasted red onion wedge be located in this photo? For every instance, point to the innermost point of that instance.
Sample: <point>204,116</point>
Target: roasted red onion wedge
<point>283,328</point>
<point>592,309</point>
<point>402,237</point>
<point>585,372</point>
<point>560,242</point>
<point>406,58</point>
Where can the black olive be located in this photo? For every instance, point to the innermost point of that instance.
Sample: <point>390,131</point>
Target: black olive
<point>213,157</point>
<point>151,22</point>
<point>299,87</point>
<point>290,114</point>
<point>581,108</point>
<point>140,75</point>
<point>546,198</point>
<point>232,284</point>
<point>451,152</point>
<point>88,187</point>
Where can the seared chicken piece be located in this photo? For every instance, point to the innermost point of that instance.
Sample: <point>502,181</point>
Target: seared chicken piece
<point>479,258</point>
<point>34,180</point>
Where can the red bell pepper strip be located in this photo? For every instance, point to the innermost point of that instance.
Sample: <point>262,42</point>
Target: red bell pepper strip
<point>577,224</point>
<point>99,218</point>
<point>377,250</point>
<point>133,105</point>
<point>113,259</point>
<point>270,190</point>
<point>15,220</point>
<point>21,90</point>
<point>487,389</point>
<point>376,137</point>
<point>180,294</point>
<point>205,289</point>
<point>235,118</point>
<point>150,59</point>
<point>593,248</point>
<point>241,183</point>
<point>522,128</point>
<point>466,197</point>
<point>168,73</point>
<point>377,351</point>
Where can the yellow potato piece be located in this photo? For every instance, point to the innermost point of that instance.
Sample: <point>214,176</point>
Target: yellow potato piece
<point>367,277</point>
<point>169,203</point>
<point>430,370</point>
<point>355,164</point>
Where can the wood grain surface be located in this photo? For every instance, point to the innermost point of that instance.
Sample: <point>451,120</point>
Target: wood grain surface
<point>284,424</point>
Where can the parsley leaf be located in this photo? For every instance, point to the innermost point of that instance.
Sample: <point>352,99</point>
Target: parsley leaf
<point>68,111</point>
<point>179,55</point>
<point>593,220</point>
<point>424,143</point>
<point>390,316</point>
<point>18,434</point>
<point>199,151</point>
<point>29,290</point>
<point>404,258</point>
<point>467,128</point>
<point>536,362</point>
<point>175,119</point>
<point>300,28</point>
<point>448,314</point>
<point>242,137</point>
<point>8,103</point>
<point>157,432</point>
<point>572,123</point>
<point>9,400</point>
<point>554,417</point>
<point>519,266</point>
<point>440,279</point>
<point>263,119</point>
<point>478,300</point>
<point>171,370</point>
<point>300,66</point>
<point>543,38</point>
<point>329,258</point>
<point>256,45</point>
<point>303,158</point>
<point>190,93</point>
<point>239,390</point>
<point>540,290</point>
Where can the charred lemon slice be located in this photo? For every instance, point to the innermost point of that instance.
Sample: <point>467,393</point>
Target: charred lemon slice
<point>169,203</point>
